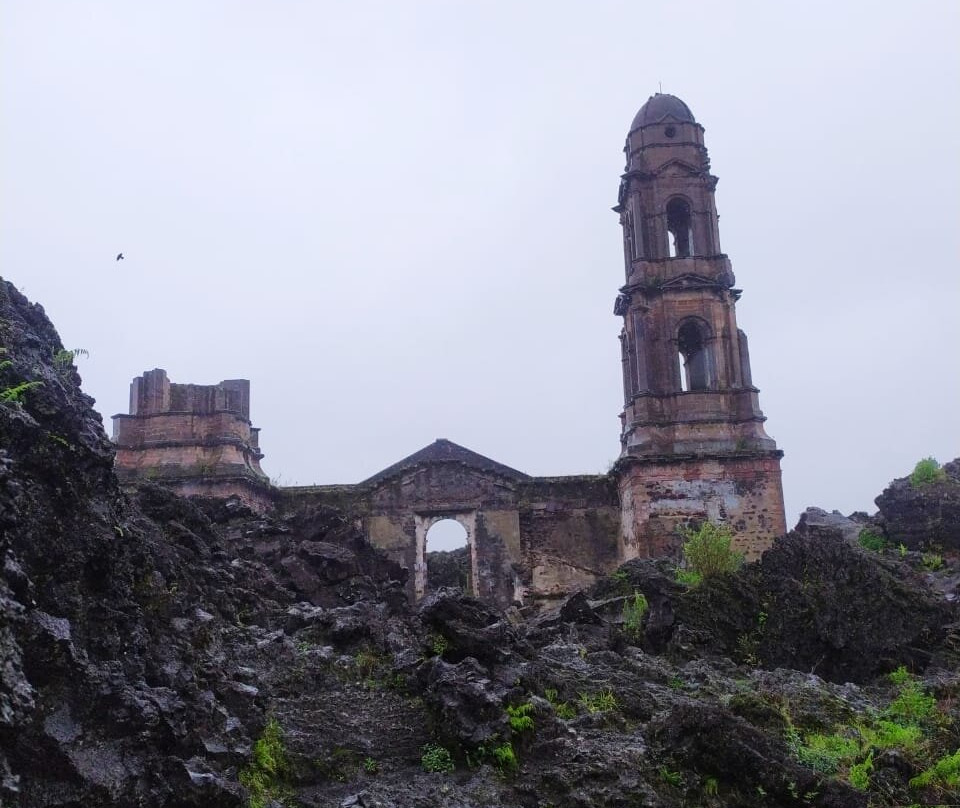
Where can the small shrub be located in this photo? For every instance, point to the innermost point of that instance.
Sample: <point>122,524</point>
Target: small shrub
<point>913,705</point>
<point>688,577</point>
<point>14,394</point>
<point>932,561</point>
<point>520,720</point>
<point>565,711</point>
<point>64,358</point>
<point>370,766</point>
<point>902,550</point>
<point>927,471</point>
<point>945,773</point>
<point>506,758</point>
<point>869,540</point>
<point>900,676</point>
<point>707,550</point>
<point>367,662</point>
<point>435,758</point>
<point>603,701</point>
<point>859,774</point>
<point>671,777</point>
<point>264,776</point>
<point>891,735</point>
<point>560,708</point>
<point>633,611</point>
<point>827,753</point>
<point>439,644</point>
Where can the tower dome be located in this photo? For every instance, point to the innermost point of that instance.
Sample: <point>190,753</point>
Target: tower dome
<point>660,106</point>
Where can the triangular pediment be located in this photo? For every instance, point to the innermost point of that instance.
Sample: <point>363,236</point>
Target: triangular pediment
<point>677,168</point>
<point>689,280</point>
<point>443,451</point>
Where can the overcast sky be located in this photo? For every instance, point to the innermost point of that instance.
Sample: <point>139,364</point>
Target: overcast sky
<point>394,218</point>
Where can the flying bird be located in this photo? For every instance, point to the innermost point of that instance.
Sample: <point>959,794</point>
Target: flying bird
<point>120,257</point>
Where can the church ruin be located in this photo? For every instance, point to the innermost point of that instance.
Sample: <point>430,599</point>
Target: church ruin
<point>693,446</point>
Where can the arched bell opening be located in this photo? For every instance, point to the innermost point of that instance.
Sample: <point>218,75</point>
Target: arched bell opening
<point>679,228</point>
<point>697,369</point>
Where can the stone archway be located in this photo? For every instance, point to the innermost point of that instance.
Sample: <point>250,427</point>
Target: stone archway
<point>422,524</point>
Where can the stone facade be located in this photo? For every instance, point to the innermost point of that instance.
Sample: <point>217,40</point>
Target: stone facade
<point>529,538</point>
<point>693,445</point>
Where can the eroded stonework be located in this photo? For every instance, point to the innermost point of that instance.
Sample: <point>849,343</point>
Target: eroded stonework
<point>529,538</point>
<point>693,445</point>
<point>197,439</point>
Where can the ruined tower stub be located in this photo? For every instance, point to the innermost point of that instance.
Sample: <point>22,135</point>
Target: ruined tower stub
<point>194,438</point>
<point>693,446</point>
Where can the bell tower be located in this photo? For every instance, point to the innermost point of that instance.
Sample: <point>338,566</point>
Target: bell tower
<point>693,445</point>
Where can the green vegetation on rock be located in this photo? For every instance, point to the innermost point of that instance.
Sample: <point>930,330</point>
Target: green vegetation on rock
<point>927,471</point>
<point>264,777</point>
<point>520,720</point>
<point>910,724</point>
<point>707,551</point>
<point>436,758</point>
<point>633,611</point>
<point>871,540</point>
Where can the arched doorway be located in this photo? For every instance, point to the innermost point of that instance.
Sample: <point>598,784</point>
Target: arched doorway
<point>448,539</point>
<point>446,536</point>
<point>447,554</point>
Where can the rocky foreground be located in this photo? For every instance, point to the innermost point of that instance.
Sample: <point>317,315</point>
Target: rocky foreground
<point>156,651</point>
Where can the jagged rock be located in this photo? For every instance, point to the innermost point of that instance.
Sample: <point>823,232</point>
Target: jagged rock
<point>818,603</point>
<point>709,739</point>
<point>145,640</point>
<point>469,704</point>
<point>818,522</point>
<point>470,627</point>
<point>577,609</point>
<point>656,580</point>
<point>925,517</point>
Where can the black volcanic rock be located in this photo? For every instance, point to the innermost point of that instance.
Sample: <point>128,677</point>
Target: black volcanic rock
<point>147,641</point>
<point>819,603</point>
<point>925,517</point>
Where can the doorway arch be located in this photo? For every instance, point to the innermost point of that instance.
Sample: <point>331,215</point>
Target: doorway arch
<point>446,535</point>
<point>423,523</point>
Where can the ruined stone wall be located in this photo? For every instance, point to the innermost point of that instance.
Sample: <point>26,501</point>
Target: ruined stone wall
<point>528,540</point>
<point>197,439</point>
<point>570,528</point>
<point>397,513</point>
<point>660,495</point>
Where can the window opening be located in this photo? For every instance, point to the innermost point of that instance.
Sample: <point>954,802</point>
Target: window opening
<point>694,357</point>
<point>637,235</point>
<point>628,233</point>
<point>679,228</point>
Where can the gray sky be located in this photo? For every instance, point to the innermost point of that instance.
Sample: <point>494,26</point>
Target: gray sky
<point>394,218</point>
